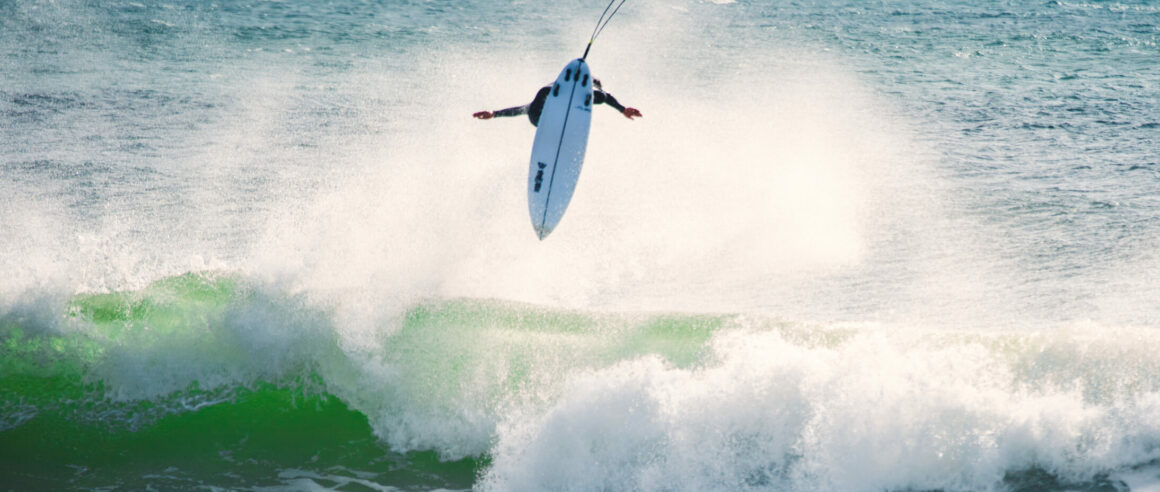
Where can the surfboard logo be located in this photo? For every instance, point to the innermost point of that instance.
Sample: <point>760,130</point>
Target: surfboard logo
<point>540,176</point>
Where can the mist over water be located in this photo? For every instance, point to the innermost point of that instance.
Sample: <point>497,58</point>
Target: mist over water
<point>847,247</point>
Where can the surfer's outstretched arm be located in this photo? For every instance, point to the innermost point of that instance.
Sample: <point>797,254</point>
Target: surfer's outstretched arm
<point>516,111</point>
<point>531,109</point>
<point>601,97</point>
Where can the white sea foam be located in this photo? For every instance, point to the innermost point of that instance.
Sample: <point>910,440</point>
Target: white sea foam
<point>878,410</point>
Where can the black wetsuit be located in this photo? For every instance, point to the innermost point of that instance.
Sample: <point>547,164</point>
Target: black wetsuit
<point>536,107</point>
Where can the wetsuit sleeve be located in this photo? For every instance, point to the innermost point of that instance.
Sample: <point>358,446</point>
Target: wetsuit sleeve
<point>601,97</point>
<point>531,109</point>
<point>516,111</point>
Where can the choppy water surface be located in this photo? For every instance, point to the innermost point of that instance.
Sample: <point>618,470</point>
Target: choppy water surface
<point>850,246</point>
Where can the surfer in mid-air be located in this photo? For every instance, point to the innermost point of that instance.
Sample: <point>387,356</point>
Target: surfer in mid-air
<point>534,108</point>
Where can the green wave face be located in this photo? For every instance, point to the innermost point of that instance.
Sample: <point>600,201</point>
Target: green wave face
<point>74,418</point>
<point>259,437</point>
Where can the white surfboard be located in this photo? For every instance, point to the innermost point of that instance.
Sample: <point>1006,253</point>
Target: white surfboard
<point>558,151</point>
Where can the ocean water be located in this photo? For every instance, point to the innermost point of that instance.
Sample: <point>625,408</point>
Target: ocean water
<point>262,245</point>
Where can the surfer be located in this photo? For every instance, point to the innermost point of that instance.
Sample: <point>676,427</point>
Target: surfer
<point>534,108</point>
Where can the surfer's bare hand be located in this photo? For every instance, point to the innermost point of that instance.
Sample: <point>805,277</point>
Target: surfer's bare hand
<point>484,115</point>
<point>631,113</point>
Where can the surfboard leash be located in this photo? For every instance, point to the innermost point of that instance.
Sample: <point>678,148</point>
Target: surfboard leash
<point>601,24</point>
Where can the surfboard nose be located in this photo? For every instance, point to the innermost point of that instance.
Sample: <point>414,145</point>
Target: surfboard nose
<point>542,232</point>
